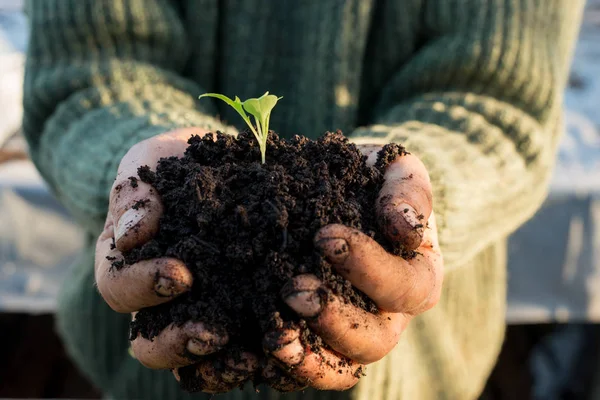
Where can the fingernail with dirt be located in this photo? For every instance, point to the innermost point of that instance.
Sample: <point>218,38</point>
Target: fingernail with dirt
<point>291,354</point>
<point>128,220</point>
<point>307,303</point>
<point>410,215</point>
<point>405,225</point>
<point>199,347</point>
<point>167,287</point>
<point>335,250</point>
<point>278,339</point>
<point>285,346</point>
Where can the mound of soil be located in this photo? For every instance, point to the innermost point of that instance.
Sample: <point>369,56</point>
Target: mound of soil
<point>245,228</point>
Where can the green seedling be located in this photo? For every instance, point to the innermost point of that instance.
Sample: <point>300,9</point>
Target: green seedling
<point>259,108</point>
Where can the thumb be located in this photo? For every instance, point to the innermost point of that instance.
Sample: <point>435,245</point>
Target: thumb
<point>405,201</point>
<point>135,206</point>
<point>136,209</point>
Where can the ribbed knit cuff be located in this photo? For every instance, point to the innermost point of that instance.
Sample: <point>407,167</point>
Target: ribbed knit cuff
<point>80,152</point>
<point>488,163</point>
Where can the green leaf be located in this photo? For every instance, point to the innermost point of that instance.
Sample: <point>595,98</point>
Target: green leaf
<point>259,108</point>
<point>261,111</point>
<point>236,105</point>
<point>262,106</point>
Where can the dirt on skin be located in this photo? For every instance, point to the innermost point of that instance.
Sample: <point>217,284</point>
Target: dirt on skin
<point>245,228</point>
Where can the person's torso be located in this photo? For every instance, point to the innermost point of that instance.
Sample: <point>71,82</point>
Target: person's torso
<point>328,59</point>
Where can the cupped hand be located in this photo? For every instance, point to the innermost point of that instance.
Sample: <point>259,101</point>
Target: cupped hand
<point>401,288</point>
<point>133,218</point>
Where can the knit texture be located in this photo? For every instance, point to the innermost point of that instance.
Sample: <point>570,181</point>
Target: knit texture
<point>474,88</point>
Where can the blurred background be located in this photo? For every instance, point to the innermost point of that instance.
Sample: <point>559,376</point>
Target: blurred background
<point>552,348</point>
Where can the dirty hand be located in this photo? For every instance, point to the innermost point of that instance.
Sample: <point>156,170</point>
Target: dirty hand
<point>152,282</point>
<point>400,288</point>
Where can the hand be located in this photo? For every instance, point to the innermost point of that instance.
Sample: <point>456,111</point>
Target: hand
<point>401,288</point>
<point>152,282</point>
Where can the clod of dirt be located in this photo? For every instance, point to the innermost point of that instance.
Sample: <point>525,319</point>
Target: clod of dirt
<point>133,181</point>
<point>245,228</point>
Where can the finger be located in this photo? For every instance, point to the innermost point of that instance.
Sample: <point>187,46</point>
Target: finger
<point>276,378</point>
<point>177,346</point>
<point>134,205</point>
<point>203,377</point>
<point>217,375</point>
<point>323,370</point>
<point>350,331</point>
<point>143,284</point>
<point>137,209</point>
<point>393,283</point>
<point>239,367</point>
<point>405,201</point>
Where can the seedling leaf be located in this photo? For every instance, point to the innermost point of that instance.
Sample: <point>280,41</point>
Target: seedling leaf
<point>260,108</point>
<point>236,104</point>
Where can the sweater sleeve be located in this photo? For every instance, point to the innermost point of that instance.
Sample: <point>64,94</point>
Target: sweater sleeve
<point>101,76</point>
<point>480,103</point>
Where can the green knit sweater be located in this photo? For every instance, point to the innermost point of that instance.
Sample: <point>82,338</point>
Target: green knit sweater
<point>474,88</point>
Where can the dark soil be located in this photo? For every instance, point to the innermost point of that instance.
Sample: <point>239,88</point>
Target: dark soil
<point>244,228</point>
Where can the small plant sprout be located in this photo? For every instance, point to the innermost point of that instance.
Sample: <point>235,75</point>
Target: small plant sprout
<point>259,108</point>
